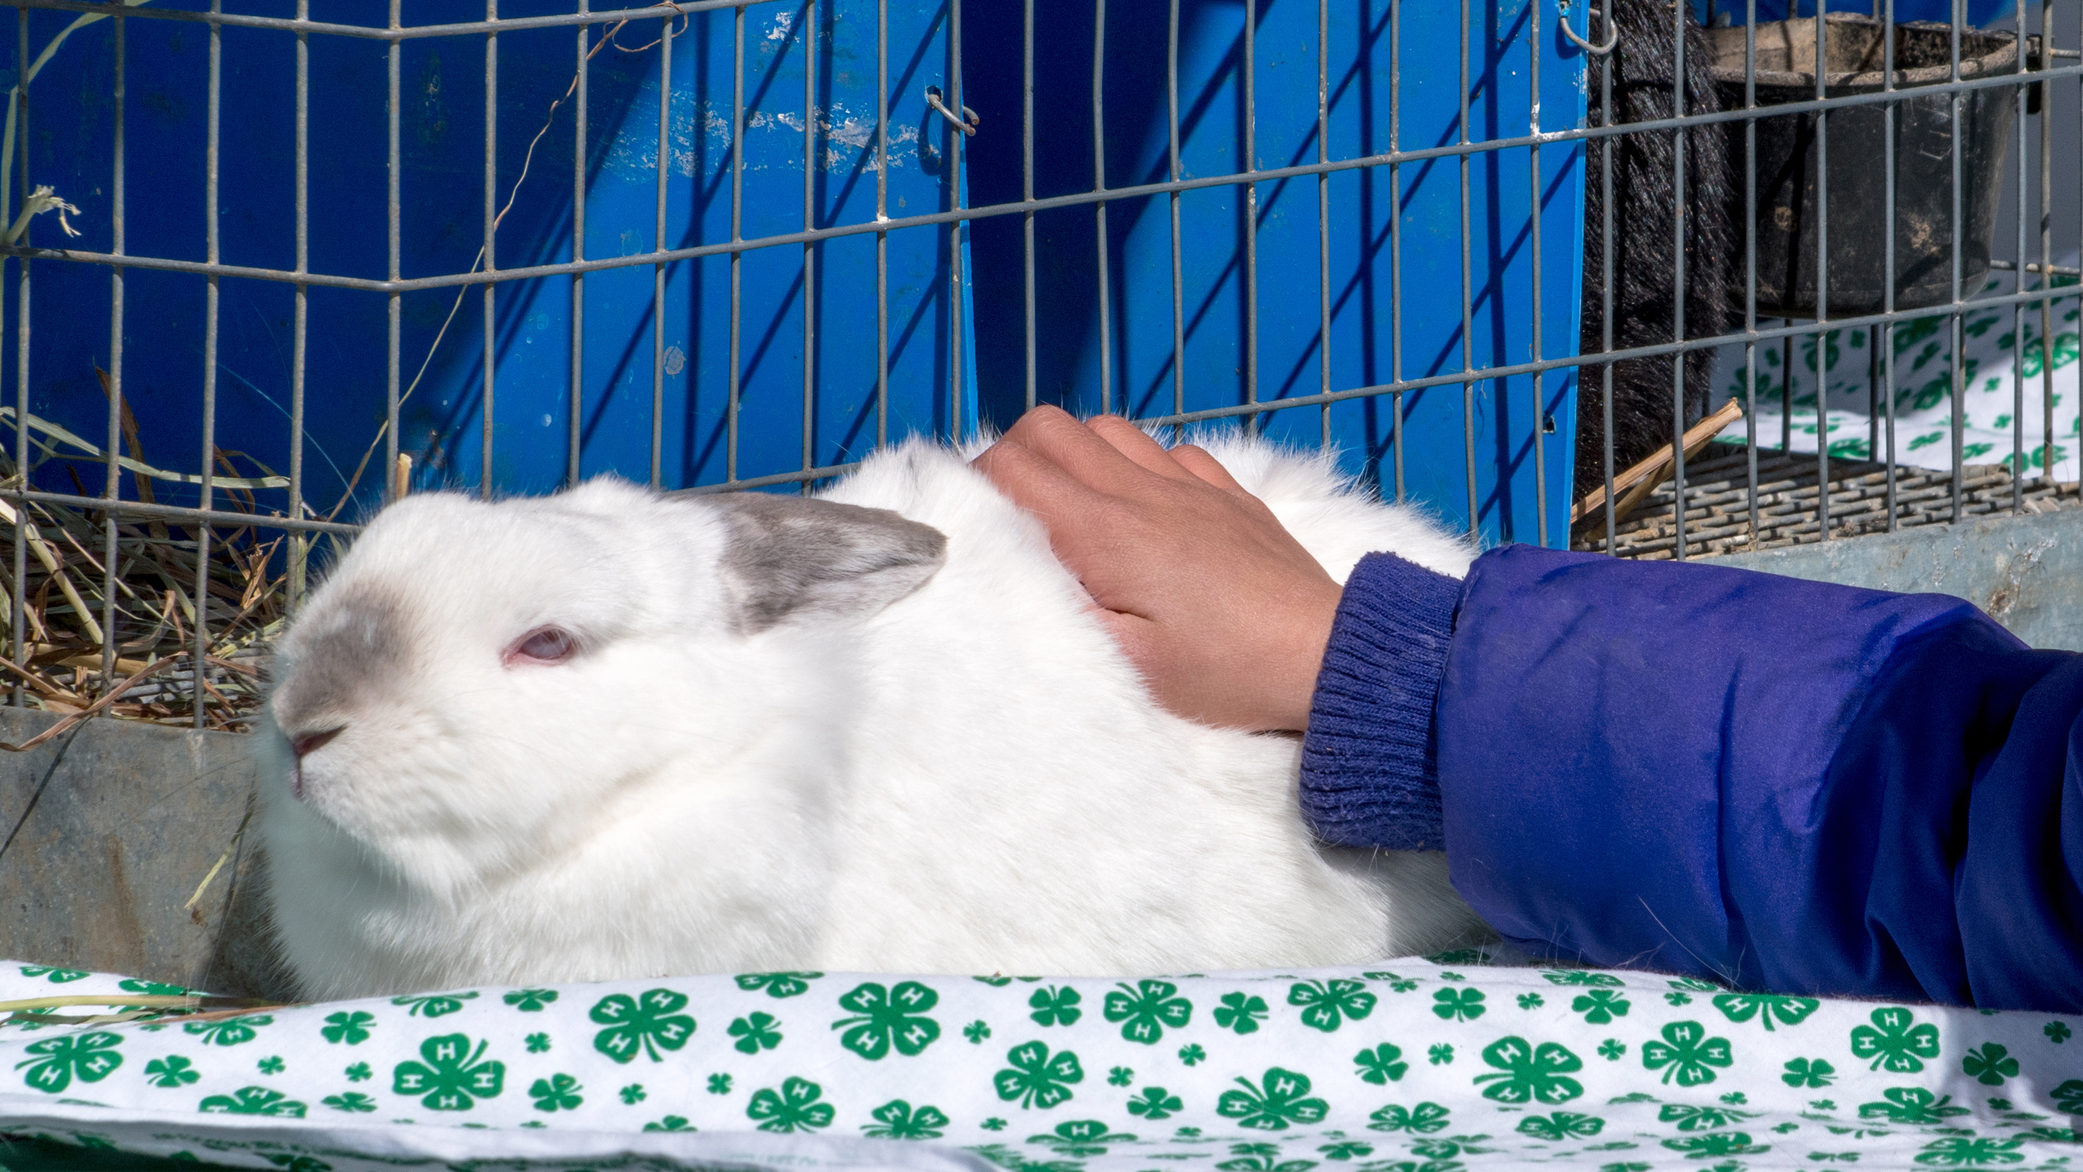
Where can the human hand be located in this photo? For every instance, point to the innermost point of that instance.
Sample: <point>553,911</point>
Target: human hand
<point>1222,610</point>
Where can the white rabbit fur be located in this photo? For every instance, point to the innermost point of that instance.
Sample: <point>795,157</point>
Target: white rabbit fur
<point>925,769</point>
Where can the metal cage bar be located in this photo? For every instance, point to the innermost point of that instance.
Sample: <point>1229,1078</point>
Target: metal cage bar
<point>212,231</point>
<point>1104,284</point>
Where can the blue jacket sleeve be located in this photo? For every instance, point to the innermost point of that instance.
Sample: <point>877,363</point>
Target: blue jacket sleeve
<point>1775,783</point>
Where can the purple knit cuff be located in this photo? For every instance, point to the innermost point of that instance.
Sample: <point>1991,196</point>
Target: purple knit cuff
<point>1369,777</point>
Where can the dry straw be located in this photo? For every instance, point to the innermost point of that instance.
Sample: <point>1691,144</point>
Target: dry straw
<point>133,655</point>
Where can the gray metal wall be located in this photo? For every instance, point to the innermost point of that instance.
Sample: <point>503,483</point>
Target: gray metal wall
<point>111,827</point>
<point>2027,572</point>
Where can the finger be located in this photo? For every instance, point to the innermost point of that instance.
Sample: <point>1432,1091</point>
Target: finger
<point>1037,417</point>
<point>1031,480</point>
<point>1066,507</point>
<point>1136,444</point>
<point>1195,459</point>
<point>1056,436</point>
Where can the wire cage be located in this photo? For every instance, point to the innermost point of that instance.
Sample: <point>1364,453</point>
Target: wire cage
<point>271,262</point>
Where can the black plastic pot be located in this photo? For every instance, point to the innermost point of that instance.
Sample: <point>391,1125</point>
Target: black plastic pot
<point>1789,217</point>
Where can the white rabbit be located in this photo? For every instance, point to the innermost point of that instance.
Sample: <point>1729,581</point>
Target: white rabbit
<point>613,733</point>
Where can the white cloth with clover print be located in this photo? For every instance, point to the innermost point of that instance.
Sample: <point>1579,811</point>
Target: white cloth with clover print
<point>1414,1066</point>
<point>1995,349</point>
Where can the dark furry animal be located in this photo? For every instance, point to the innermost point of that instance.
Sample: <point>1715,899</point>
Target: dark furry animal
<point>1645,231</point>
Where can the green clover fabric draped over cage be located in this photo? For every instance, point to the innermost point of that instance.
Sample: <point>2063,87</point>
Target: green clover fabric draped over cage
<point>1416,1066</point>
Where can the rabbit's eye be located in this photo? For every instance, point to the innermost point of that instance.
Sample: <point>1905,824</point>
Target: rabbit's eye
<point>543,645</point>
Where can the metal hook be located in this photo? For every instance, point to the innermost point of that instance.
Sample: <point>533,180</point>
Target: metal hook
<point>967,123</point>
<point>1612,33</point>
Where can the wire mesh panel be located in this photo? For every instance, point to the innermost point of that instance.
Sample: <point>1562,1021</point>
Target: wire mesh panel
<point>268,264</point>
<point>1254,246</point>
<point>688,365</point>
<point>1912,205</point>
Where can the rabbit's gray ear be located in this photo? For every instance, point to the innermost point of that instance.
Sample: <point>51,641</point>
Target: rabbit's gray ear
<point>791,557</point>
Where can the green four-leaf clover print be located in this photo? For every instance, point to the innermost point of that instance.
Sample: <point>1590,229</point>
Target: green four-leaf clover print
<point>1465,1004</point>
<point>1262,1158</point>
<point>1081,1138</point>
<point>1741,1007</point>
<point>898,1119</point>
<point>1990,1065</point>
<point>435,1004</point>
<point>452,1076</point>
<point>1687,1053</point>
<point>1146,1009</point>
<point>793,1107</point>
<point>1036,1078</point>
<point>1561,1125</point>
<point>1691,1118</point>
<point>232,1031</point>
<point>1424,1118</point>
<point>352,1102</point>
<point>1896,1041</point>
<point>1327,1004</point>
<point>1381,1065</point>
<point>1716,1144</point>
<point>886,1019</point>
<point>171,1071</point>
<point>350,1028</point>
<point>57,1061</point>
<point>1232,1091</point>
<point>1808,1072</point>
<point>1971,1152</point>
<point>559,1092</point>
<point>1240,1012</point>
<point>755,1032</point>
<point>254,1101</point>
<point>1156,1103</point>
<point>1055,1006</point>
<point>645,1024</point>
<point>1600,1006</point>
<point>1280,1100</point>
<point>54,976</point>
<point>1530,1073</point>
<point>777,985</point>
<point>1911,1105</point>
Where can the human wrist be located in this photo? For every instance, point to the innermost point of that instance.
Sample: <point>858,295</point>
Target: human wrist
<point>1288,678</point>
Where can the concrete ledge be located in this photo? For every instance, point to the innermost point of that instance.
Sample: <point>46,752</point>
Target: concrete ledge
<point>2027,572</point>
<point>105,833</point>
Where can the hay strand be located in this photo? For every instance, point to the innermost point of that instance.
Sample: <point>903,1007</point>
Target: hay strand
<point>121,643</point>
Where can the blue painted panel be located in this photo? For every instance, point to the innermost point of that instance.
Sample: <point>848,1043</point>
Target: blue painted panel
<point>1371,107</point>
<point>442,128</point>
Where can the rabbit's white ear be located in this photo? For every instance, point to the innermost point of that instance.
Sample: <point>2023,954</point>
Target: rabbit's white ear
<point>798,557</point>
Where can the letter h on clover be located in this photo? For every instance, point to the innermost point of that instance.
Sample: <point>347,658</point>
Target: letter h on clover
<point>452,1077</point>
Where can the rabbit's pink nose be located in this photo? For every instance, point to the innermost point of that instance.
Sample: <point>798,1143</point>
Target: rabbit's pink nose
<point>309,743</point>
